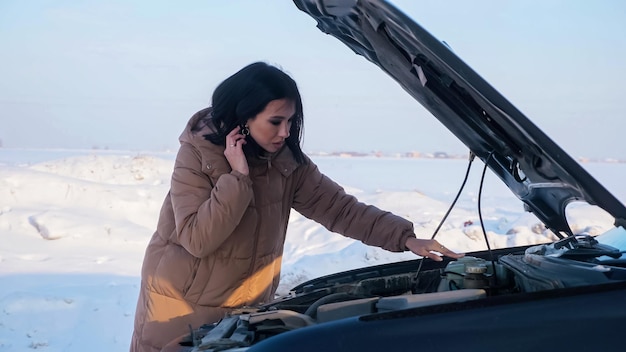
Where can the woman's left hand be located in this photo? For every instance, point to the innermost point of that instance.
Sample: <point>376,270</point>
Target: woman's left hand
<point>430,249</point>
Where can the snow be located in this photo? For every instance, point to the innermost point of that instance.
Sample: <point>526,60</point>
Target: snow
<point>74,226</point>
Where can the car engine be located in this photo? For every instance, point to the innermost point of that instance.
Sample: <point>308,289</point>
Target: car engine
<point>410,285</point>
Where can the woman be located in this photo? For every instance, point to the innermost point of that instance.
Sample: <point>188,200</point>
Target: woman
<point>238,173</point>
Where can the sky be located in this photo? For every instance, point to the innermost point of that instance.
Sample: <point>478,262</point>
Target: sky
<point>74,226</point>
<point>128,74</point>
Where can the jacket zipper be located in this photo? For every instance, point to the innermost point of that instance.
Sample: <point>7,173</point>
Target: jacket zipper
<point>252,265</point>
<point>256,240</point>
<point>255,244</point>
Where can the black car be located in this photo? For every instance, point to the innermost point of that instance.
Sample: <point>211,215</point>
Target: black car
<point>569,295</point>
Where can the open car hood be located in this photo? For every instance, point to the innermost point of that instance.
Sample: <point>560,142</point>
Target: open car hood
<point>536,169</point>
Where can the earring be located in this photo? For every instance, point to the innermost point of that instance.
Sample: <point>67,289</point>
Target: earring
<point>244,130</point>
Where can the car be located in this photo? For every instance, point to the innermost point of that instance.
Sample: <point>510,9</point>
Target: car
<point>567,295</point>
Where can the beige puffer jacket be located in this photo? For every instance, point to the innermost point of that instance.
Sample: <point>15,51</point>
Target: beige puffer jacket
<point>219,239</point>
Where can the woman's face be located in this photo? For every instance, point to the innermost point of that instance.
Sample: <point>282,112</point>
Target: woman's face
<point>271,126</point>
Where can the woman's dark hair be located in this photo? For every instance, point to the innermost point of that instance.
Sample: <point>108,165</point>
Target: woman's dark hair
<point>245,94</point>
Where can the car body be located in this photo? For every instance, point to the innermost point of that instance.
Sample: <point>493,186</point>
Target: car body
<point>566,295</point>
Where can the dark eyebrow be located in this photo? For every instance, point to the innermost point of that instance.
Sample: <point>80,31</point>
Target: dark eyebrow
<point>282,117</point>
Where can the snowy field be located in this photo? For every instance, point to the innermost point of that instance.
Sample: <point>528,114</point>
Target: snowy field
<point>74,226</point>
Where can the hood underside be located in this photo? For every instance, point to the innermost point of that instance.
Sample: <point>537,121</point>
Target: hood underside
<point>536,169</point>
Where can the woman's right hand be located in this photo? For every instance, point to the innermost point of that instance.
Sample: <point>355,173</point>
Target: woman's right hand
<point>234,152</point>
<point>430,249</point>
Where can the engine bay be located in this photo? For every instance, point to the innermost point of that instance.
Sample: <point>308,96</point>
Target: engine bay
<point>403,286</point>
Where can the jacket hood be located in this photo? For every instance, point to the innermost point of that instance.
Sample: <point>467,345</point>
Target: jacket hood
<point>200,124</point>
